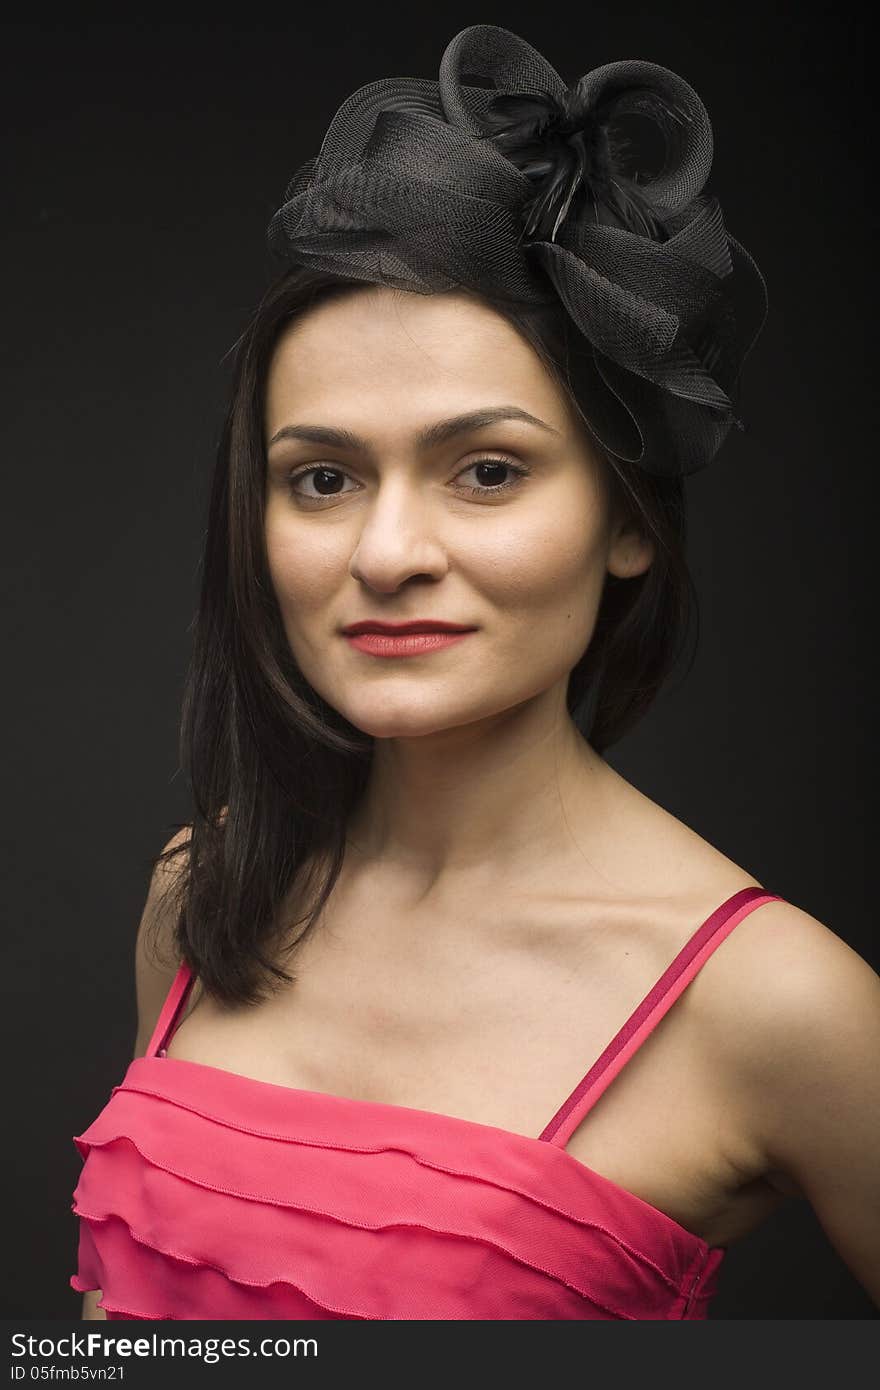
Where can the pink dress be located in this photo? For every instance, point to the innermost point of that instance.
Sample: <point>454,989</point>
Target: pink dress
<point>206,1194</point>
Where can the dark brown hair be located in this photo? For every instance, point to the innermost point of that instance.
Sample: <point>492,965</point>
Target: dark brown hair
<point>274,770</point>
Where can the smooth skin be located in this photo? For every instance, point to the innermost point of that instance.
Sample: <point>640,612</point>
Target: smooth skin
<point>507,897</point>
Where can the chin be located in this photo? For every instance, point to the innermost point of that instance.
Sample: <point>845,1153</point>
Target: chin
<point>405,717</point>
<point>390,724</point>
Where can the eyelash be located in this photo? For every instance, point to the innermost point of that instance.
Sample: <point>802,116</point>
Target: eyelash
<point>485,491</point>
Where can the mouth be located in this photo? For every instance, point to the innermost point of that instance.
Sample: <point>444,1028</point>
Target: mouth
<point>420,641</point>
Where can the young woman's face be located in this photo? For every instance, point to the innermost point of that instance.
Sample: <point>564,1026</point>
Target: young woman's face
<point>387,526</point>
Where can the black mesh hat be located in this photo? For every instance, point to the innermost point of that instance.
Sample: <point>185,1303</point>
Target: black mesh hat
<point>501,179</point>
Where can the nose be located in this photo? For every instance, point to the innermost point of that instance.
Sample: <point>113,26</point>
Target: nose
<point>397,539</point>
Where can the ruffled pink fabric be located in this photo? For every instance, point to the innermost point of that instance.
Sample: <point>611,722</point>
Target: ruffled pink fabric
<point>324,1207</point>
<point>208,1195</point>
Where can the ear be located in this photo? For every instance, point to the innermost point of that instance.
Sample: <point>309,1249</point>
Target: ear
<point>630,551</point>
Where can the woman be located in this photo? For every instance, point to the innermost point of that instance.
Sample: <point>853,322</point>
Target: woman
<point>373,1075</point>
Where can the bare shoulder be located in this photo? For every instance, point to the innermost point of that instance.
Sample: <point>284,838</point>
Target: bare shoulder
<point>790,982</point>
<point>784,999</point>
<point>786,1017</point>
<point>156,960</point>
<point>792,1013</point>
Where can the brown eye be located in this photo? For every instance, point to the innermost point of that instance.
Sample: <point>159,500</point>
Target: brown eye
<point>490,473</point>
<point>325,481</point>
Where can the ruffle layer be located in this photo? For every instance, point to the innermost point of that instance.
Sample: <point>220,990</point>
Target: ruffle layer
<point>351,1209</point>
<point>139,1281</point>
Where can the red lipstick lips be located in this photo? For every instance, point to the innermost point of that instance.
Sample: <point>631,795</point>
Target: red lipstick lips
<point>417,638</point>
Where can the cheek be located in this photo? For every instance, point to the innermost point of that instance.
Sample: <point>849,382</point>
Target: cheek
<point>308,574</point>
<point>550,573</point>
<point>304,568</point>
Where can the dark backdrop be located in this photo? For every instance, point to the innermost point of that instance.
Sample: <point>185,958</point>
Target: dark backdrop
<point>146,159</point>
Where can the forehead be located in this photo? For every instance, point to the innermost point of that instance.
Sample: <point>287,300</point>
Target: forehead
<point>380,348</point>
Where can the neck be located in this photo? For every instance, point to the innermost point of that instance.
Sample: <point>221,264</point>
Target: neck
<point>489,797</point>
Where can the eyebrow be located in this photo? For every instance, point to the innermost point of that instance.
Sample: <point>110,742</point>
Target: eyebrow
<point>429,437</point>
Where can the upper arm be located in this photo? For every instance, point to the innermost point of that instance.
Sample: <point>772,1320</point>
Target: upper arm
<point>155,962</point>
<point>155,968</point>
<point>807,1055</point>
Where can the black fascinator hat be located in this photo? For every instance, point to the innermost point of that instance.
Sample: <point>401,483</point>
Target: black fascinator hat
<point>501,178</point>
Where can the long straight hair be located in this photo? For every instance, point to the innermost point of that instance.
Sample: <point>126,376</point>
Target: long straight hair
<point>275,771</point>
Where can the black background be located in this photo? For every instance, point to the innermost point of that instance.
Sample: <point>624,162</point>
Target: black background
<point>145,159</point>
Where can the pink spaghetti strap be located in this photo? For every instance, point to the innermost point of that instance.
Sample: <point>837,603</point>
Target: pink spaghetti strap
<point>652,1008</point>
<point>173,1006</point>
